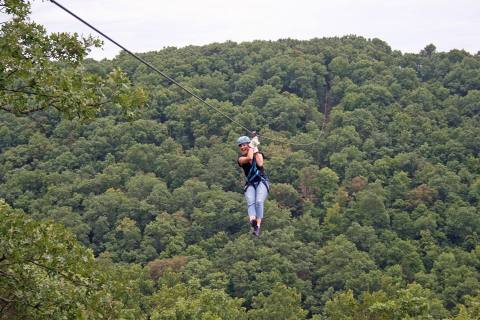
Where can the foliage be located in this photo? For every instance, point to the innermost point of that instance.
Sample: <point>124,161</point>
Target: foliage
<point>39,71</point>
<point>47,274</point>
<point>378,219</point>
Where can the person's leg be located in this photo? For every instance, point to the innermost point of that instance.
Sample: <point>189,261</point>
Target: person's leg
<point>261,196</point>
<point>250,198</point>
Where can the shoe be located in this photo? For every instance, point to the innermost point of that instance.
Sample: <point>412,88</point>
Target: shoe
<point>253,223</point>
<point>257,231</point>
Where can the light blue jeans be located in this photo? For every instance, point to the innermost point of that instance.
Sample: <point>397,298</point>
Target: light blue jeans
<point>255,198</point>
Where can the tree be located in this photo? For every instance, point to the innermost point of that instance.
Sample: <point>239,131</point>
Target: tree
<point>286,196</point>
<point>399,186</point>
<point>439,177</point>
<point>217,210</point>
<point>126,242</point>
<point>429,50</point>
<point>370,208</point>
<point>339,66</point>
<point>142,185</point>
<point>412,302</point>
<point>340,265</point>
<point>384,200</point>
<point>160,197</point>
<point>475,189</point>
<point>283,303</point>
<point>456,281</point>
<point>327,180</point>
<point>143,156</point>
<point>220,170</point>
<point>165,235</point>
<point>364,237</point>
<point>40,71</point>
<point>46,273</point>
<point>189,302</point>
<point>421,194</point>
<point>470,310</point>
<point>462,223</point>
<point>104,212</point>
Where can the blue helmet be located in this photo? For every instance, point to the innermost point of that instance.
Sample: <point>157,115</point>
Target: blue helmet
<point>243,139</point>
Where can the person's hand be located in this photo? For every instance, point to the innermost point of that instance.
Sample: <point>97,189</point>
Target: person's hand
<point>255,143</point>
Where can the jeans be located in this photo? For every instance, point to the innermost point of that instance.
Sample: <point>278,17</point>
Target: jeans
<point>255,198</point>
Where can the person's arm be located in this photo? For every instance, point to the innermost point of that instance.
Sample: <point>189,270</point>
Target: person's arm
<point>259,159</point>
<point>258,156</point>
<point>248,158</point>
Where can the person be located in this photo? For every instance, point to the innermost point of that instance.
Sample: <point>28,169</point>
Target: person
<point>257,186</point>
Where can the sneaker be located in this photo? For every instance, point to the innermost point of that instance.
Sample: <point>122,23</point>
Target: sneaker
<point>257,231</point>
<point>253,223</point>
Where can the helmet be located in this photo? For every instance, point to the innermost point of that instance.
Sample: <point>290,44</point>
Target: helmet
<point>243,139</point>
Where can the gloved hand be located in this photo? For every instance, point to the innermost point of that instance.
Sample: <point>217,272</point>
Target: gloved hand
<point>254,142</point>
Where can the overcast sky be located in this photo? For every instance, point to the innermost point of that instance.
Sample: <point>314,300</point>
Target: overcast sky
<point>145,25</point>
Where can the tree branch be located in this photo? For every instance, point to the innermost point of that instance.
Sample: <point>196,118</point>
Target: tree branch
<point>23,112</point>
<point>28,92</point>
<point>27,112</point>
<point>11,73</point>
<point>6,300</point>
<point>54,100</point>
<point>99,104</point>
<point>4,107</point>
<point>7,304</point>
<point>61,274</point>
<point>8,275</point>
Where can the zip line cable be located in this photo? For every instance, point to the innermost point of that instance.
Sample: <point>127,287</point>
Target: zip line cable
<point>150,65</point>
<point>171,80</point>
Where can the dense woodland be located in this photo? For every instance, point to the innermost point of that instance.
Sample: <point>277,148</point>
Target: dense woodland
<point>132,207</point>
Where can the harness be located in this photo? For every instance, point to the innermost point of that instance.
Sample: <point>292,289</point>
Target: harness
<point>255,177</point>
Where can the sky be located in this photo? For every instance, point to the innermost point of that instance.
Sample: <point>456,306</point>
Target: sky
<point>148,25</point>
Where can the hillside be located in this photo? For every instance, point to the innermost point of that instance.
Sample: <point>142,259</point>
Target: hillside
<point>377,219</point>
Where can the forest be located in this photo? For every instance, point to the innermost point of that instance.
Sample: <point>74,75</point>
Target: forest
<point>121,196</point>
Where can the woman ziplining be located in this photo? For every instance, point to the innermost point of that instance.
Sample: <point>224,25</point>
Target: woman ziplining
<point>257,186</point>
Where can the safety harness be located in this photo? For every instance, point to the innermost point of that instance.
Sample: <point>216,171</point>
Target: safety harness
<point>255,177</point>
